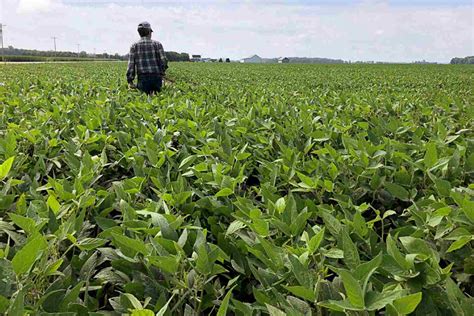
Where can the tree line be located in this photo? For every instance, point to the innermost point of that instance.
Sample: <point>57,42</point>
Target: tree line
<point>465,60</point>
<point>12,51</point>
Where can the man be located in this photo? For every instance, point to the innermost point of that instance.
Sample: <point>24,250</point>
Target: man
<point>148,61</point>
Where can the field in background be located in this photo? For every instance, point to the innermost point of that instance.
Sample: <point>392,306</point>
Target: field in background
<point>23,58</point>
<point>241,189</point>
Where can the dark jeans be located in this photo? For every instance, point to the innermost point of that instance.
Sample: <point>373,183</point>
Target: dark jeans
<point>150,83</point>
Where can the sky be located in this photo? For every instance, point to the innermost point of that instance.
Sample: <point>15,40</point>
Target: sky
<point>379,30</point>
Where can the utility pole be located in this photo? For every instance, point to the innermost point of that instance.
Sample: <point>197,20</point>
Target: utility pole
<point>54,39</point>
<point>1,38</point>
<point>78,50</point>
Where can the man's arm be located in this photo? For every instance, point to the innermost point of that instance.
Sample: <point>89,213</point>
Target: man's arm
<point>162,58</point>
<point>131,65</point>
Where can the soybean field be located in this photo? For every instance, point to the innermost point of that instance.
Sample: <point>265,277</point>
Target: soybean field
<point>241,189</point>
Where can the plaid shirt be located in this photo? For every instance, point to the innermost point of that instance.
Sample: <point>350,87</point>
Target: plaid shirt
<point>146,57</point>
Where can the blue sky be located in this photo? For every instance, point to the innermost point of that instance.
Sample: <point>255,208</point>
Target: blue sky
<point>383,30</point>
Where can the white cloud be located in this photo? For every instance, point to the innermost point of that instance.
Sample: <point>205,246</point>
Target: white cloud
<point>27,6</point>
<point>365,31</point>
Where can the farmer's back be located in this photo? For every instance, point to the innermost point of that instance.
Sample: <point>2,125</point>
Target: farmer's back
<point>147,61</point>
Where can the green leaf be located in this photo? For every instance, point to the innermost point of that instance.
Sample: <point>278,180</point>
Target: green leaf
<point>243,308</point>
<point>390,310</point>
<point>21,205</point>
<point>166,230</point>
<point>376,301</point>
<point>71,296</point>
<point>443,187</point>
<point>91,243</point>
<point>333,225</point>
<point>397,191</point>
<point>234,227</point>
<point>27,256</point>
<point>52,268</point>
<point>458,244</point>
<point>17,308</point>
<point>129,246</point>
<point>431,155</point>
<point>339,306</point>
<point>242,156</point>
<point>416,245</point>
<point>302,291</point>
<point>187,161</point>
<point>169,264</point>
<point>393,251</point>
<point>225,303</point>
<point>315,241</point>
<point>328,185</point>
<point>163,310</point>
<point>130,300</point>
<point>301,272</point>
<point>333,253</point>
<point>5,167</point>
<point>353,289</point>
<point>273,311</point>
<point>201,167</point>
<point>25,223</point>
<point>272,251</point>
<point>407,304</point>
<point>280,205</point>
<point>53,204</point>
<point>360,226</point>
<point>142,312</point>
<point>203,262</point>
<point>307,181</point>
<point>468,209</point>
<point>224,192</point>
<point>260,226</point>
<point>364,271</point>
<point>4,304</point>
<point>388,213</point>
<point>351,255</point>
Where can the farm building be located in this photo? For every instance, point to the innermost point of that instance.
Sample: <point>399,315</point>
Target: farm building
<point>255,59</point>
<point>283,60</point>
<point>196,58</point>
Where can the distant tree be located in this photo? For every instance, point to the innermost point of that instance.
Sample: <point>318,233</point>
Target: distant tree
<point>11,51</point>
<point>227,60</point>
<point>465,60</point>
<point>174,56</point>
<point>184,57</point>
<point>220,60</point>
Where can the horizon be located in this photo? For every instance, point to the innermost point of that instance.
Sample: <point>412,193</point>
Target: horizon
<point>263,57</point>
<point>386,31</point>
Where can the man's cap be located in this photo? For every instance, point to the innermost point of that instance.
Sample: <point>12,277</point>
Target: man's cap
<point>145,25</point>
